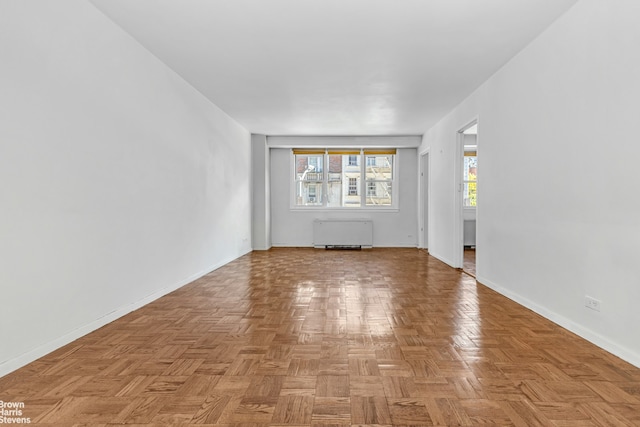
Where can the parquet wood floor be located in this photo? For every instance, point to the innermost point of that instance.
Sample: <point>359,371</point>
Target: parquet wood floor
<point>300,337</point>
<point>469,261</point>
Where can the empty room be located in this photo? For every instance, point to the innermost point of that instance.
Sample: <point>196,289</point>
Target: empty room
<point>319,212</point>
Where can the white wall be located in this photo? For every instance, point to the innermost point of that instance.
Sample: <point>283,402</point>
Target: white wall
<point>261,193</point>
<point>397,228</point>
<point>119,181</point>
<point>557,190</point>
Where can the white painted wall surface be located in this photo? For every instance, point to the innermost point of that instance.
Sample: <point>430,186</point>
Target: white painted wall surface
<point>557,188</point>
<point>292,227</point>
<point>261,193</point>
<point>118,181</point>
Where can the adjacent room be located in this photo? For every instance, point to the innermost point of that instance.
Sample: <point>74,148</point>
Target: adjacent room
<point>323,212</point>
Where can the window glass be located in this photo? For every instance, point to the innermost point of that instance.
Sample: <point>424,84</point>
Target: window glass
<point>309,180</point>
<point>379,175</point>
<point>334,184</point>
<point>335,179</point>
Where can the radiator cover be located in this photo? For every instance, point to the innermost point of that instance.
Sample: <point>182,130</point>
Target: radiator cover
<point>343,232</point>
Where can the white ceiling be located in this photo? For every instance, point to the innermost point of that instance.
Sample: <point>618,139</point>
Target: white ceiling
<point>335,67</point>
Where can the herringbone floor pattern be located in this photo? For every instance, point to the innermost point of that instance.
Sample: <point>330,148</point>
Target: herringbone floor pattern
<point>299,337</point>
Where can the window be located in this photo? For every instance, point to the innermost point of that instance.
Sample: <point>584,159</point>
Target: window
<point>379,176</point>
<point>353,186</point>
<point>338,179</point>
<point>470,172</point>
<point>371,189</point>
<point>313,162</point>
<point>312,196</point>
<point>309,179</point>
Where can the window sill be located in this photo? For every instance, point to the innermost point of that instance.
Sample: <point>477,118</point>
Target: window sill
<point>326,209</point>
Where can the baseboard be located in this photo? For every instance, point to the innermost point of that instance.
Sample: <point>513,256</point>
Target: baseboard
<point>38,352</point>
<point>586,333</point>
<point>289,245</point>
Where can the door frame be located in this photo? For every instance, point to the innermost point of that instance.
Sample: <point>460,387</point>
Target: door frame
<point>458,209</point>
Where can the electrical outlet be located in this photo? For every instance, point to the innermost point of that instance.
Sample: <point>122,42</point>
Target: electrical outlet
<point>591,303</point>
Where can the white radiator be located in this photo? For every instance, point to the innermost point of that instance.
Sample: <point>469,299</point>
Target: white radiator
<point>343,233</point>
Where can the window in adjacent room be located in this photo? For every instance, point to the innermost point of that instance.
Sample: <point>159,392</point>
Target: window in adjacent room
<point>470,171</point>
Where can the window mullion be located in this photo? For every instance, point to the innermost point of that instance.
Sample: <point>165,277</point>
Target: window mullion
<point>363,180</point>
<point>325,180</point>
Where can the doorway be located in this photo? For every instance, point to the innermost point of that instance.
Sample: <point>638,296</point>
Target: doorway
<point>467,180</point>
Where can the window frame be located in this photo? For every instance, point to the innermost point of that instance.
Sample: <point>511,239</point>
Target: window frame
<point>362,182</point>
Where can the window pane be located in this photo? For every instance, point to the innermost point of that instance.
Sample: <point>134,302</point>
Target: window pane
<point>379,193</point>
<point>308,193</point>
<point>334,194</point>
<point>309,167</point>
<point>379,173</point>
<point>334,183</point>
<point>351,174</point>
<point>309,177</point>
<point>379,167</point>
